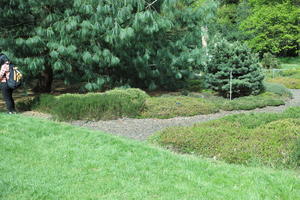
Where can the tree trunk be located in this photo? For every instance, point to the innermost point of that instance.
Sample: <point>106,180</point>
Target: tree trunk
<point>45,80</point>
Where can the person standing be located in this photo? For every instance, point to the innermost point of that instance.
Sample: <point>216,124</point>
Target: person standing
<point>6,91</point>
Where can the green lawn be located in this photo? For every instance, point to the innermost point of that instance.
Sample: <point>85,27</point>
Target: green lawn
<point>40,159</point>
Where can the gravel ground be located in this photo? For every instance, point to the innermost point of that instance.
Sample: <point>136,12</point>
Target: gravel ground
<point>141,129</point>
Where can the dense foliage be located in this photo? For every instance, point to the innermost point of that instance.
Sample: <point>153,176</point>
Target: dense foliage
<point>237,60</point>
<point>275,28</point>
<point>145,44</point>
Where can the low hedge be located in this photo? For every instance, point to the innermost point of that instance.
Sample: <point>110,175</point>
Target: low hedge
<point>94,106</point>
<point>269,139</point>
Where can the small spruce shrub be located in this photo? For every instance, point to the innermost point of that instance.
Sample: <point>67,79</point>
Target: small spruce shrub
<point>246,72</point>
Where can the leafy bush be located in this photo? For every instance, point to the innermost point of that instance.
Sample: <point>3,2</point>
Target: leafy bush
<point>291,83</point>
<point>269,139</point>
<point>238,59</point>
<point>269,61</point>
<point>94,106</point>
<point>277,89</point>
<point>167,107</point>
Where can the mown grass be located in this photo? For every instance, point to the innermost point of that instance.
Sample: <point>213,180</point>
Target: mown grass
<point>250,139</point>
<point>46,160</point>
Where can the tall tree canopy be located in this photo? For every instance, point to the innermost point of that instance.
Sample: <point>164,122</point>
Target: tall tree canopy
<point>274,28</point>
<point>146,44</point>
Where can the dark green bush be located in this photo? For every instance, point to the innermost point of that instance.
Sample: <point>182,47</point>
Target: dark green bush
<point>269,139</point>
<point>236,58</point>
<point>94,106</point>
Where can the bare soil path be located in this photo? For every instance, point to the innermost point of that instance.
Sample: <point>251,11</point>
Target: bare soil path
<point>141,129</point>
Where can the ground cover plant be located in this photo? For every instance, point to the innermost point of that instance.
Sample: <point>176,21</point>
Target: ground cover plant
<point>41,159</point>
<point>136,103</point>
<point>250,139</point>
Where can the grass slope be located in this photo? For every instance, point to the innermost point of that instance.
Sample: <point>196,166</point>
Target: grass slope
<point>47,160</point>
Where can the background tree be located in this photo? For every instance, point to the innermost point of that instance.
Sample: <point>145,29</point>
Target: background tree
<point>273,28</point>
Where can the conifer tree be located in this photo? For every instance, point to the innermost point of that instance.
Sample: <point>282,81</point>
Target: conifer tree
<point>141,43</point>
<point>238,60</point>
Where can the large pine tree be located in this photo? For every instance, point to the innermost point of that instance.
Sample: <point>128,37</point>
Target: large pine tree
<point>145,44</point>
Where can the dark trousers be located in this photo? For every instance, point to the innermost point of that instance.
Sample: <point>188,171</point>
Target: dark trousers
<point>7,96</point>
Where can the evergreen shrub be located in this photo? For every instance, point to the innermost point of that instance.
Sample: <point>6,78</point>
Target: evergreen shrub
<point>246,72</point>
<point>94,106</point>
